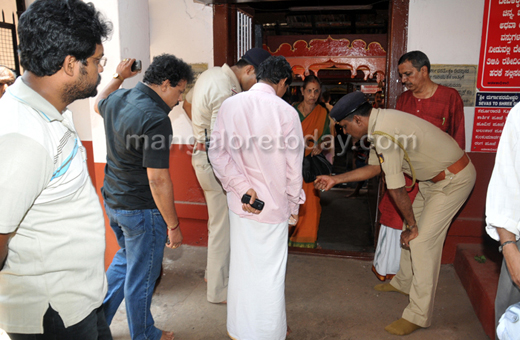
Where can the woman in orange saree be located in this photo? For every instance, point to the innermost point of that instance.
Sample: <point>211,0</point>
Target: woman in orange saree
<point>315,125</point>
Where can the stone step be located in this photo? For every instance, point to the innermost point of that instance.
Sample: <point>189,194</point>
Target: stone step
<point>480,280</point>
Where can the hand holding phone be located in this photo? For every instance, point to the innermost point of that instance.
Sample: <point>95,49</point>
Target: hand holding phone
<point>136,66</point>
<point>257,204</point>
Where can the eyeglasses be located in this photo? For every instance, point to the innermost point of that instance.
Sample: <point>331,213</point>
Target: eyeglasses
<point>103,61</point>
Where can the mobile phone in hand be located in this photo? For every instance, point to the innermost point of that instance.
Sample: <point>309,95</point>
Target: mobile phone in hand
<point>136,66</point>
<point>257,204</point>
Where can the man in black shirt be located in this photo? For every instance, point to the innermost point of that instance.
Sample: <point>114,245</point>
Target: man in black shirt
<point>137,190</point>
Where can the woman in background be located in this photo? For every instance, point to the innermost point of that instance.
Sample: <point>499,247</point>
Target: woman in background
<point>315,125</point>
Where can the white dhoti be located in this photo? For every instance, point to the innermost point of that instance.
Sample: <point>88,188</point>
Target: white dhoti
<point>256,289</point>
<point>388,252</point>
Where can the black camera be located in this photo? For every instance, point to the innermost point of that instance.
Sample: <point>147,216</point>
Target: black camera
<point>136,66</point>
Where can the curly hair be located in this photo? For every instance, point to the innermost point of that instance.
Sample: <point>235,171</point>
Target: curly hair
<point>51,30</point>
<point>168,67</point>
<point>274,69</point>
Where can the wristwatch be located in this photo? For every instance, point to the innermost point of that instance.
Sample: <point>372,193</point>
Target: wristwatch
<point>503,244</point>
<point>118,76</point>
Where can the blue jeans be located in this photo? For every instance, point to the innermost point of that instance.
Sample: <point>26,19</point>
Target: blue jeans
<point>93,327</point>
<point>141,234</point>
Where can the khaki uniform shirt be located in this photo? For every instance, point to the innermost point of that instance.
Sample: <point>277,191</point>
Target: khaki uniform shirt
<point>211,89</point>
<point>430,149</point>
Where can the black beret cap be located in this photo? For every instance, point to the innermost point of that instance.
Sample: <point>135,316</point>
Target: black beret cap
<point>347,105</point>
<point>255,56</point>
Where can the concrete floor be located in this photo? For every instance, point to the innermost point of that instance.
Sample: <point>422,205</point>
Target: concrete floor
<point>327,298</point>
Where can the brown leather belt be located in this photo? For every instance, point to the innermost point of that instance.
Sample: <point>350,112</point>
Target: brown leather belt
<point>199,146</point>
<point>454,168</point>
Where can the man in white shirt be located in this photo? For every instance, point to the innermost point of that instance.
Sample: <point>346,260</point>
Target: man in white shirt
<point>52,230</point>
<point>503,212</point>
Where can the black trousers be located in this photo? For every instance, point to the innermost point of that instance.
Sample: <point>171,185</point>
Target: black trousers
<point>93,327</point>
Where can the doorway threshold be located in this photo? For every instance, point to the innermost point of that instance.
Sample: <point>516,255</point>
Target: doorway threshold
<point>356,255</point>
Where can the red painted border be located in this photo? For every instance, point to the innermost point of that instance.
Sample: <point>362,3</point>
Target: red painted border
<point>468,227</point>
<point>189,198</point>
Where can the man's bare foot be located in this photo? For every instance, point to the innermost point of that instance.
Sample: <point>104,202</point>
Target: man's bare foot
<point>288,330</point>
<point>167,335</point>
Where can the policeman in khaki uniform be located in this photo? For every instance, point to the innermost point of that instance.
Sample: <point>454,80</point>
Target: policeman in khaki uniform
<point>403,143</point>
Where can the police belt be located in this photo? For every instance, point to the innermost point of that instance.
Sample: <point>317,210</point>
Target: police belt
<point>454,168</point>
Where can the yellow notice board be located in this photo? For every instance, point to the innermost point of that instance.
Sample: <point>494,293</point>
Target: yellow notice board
<point>462,78</point>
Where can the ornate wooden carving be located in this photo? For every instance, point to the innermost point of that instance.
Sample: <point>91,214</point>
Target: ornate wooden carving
<point>340,53</point>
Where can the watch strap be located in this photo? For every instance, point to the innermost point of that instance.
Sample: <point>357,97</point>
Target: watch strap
<point>118,76</point>
<point>503,244</point>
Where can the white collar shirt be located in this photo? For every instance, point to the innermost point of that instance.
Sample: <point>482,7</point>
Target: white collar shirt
<point>503,195</point>
<point>50,208</point>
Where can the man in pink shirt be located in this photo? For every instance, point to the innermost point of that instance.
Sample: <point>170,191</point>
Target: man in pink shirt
<point>257,149</point>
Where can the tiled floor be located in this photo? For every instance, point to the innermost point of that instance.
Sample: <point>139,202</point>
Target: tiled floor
<point>327,298</point>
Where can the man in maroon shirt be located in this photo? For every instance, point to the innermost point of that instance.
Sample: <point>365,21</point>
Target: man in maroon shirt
<point>440,105</point>
<point>443,107</point>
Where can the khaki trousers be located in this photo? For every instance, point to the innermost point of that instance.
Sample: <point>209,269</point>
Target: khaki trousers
<point>217,267</point>
<point>434,208</point>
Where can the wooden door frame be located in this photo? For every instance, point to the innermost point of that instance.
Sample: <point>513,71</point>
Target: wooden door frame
<point>224,34</point>
<point>397,46</point>
<point>224,51</point>
<point>224,42</point>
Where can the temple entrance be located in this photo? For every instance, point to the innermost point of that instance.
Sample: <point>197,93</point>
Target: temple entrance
<point>348,218</point>
<point>348,211</point>
<point>349,47</point>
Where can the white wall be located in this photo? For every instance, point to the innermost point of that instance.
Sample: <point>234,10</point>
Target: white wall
<point>449,32</point>
<point>143,29</point>
<point>130,39</point>
<point>87,121</point>
<point>185,29</point>
<point>82,109</point>
<point>9,7</point>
